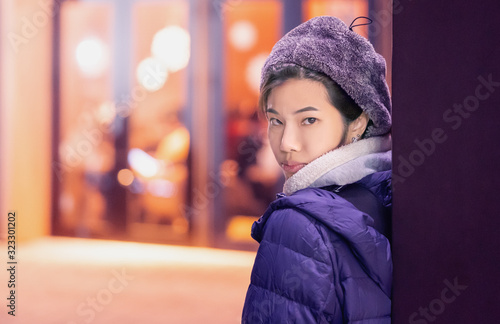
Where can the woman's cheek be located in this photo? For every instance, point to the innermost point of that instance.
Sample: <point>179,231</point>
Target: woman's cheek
<point>274,140</point>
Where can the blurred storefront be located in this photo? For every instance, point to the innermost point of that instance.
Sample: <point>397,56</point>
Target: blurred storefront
<point>155,135</point>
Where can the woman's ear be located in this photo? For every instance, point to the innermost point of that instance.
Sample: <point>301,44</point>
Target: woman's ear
<point>358,126</point>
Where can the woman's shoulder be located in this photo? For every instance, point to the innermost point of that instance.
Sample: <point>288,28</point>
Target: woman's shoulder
<point>308,209</point>
<point>380,184</point>
<point>292,223</point>
<point>287,211</point>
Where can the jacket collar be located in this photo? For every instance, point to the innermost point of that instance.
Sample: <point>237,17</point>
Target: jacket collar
<point>344,165</point>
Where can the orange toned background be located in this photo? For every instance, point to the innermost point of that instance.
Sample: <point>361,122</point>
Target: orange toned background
<point>25,121</point>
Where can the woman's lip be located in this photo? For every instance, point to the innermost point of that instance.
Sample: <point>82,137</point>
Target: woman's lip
<point>292,167</point>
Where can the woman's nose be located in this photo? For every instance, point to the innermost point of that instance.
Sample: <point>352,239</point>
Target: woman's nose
<point>290,140</point>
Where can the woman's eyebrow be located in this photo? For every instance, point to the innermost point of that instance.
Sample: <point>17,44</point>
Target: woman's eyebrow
<point>306,109</point>
<point>272,111</point>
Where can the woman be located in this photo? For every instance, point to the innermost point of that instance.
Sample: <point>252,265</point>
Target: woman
<point>324,254</point>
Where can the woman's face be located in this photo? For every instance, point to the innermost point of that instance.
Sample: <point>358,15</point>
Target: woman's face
<point>303,124</point>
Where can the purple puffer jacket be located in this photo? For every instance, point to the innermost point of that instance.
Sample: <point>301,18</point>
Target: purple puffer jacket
<point>321,261</point>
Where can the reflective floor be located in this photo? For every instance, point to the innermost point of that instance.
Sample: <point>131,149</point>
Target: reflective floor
<point>73,281</point>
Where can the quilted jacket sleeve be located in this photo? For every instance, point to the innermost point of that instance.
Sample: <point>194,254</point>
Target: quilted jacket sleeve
<point>319,261</point>
<point>295,276</point>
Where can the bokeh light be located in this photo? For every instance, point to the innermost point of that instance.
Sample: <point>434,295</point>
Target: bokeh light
<point>254,67</point>
<point>125,177</point>
<point>152,74</point>
<point>106,113</point>
<point>143,163</point>
<point>161,188</point>
<point>92,57</point>
<point>172,46</point>
<point>243,35</point>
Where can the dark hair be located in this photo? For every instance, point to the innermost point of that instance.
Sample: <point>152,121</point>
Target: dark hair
<point>336,95</point>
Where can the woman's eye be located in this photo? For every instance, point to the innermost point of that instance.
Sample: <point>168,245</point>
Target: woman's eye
<point>274,122</point>
<point>309,121</point>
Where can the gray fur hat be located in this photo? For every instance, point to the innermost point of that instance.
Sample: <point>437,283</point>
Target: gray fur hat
<point>325,44</point>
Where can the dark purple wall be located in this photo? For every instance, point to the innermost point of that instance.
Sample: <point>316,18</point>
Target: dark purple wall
<point>446,237</point>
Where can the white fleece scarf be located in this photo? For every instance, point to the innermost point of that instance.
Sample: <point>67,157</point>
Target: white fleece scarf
<point>344,165</point>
